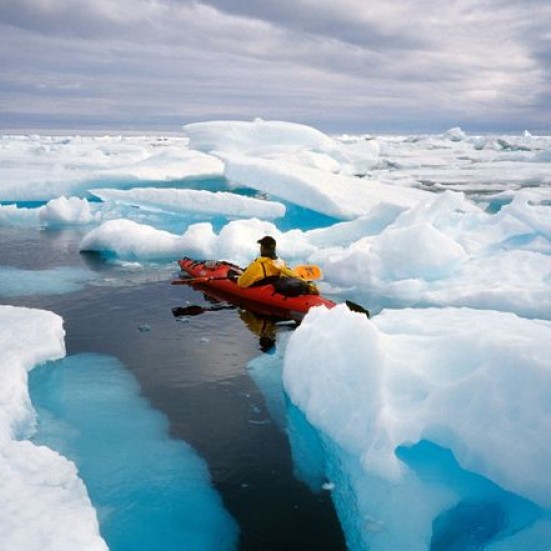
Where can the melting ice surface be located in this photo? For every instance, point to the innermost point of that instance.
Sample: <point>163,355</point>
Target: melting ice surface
<point>61,280</point>
<point>431,420</point>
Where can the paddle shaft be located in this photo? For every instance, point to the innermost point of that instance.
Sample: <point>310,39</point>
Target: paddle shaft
<point>202,279</point>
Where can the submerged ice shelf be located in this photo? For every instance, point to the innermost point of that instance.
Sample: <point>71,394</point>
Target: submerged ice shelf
<point>149,490</point>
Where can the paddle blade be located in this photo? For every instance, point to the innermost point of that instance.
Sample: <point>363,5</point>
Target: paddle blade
<point>353,307</point>
<point>309,272</point>
<point>192,310</point>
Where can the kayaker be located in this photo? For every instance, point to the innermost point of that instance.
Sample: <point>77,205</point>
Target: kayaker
<point>268,267</point>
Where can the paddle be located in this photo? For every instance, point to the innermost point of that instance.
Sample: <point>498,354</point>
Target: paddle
<point>195,310</point>
<point>353,307</point>
<point>203,279</point>
<point>309,272</point>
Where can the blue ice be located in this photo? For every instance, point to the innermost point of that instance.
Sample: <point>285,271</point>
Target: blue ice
<point>483,513</point>
<point>24,204</point>
<point>306,447</point>
<point>479,513</point>
<point>304,440</point>
<point>150,491</point>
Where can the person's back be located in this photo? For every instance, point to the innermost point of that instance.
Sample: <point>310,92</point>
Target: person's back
<point>267,266</point>
<point>263,268</point>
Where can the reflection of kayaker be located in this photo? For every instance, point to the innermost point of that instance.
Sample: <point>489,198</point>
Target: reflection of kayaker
<point>264,328</point>
<point>268,268</point>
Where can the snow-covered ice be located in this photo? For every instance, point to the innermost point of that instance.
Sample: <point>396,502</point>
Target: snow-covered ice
<point>473,381</point>
<point>446,238</point>
<point>45,505</point>
<point>189,200</point>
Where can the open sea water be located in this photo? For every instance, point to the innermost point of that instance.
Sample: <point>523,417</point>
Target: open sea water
<point>191,375</point>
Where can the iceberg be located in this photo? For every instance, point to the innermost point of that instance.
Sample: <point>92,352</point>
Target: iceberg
<point>13,215</point>
<point>47,505</point>
<point>254,137</point>
<point>450,252</point>
<point>473,382</point>
<point>131,241</point>
<point>287,143</point>
<point>46,167</point>
<point>128,240</point>
<point>65,211</point>
<point>340,196</point>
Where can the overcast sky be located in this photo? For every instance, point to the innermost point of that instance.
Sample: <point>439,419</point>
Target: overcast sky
<point>339,65</point>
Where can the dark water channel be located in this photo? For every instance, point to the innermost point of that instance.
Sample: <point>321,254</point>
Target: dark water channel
<point>194,371</point>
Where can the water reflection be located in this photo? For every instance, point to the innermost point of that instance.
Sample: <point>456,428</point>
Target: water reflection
<point>263,326</point>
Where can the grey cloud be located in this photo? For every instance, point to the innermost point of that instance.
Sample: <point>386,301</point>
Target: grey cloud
<point>67,18</point>
<point>338,64</point>
<point>328,19</point>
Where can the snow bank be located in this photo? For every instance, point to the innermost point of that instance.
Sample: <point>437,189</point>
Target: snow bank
<point>46,506</point>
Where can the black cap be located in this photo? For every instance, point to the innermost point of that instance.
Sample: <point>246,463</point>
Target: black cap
<point>267,241</point>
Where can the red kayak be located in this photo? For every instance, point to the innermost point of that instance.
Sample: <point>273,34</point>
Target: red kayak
<point>211,277</point>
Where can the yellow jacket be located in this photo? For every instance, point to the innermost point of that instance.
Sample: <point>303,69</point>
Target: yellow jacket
<point>263,267</point>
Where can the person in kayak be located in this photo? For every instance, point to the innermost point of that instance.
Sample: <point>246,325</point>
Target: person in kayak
<point>269,268</point>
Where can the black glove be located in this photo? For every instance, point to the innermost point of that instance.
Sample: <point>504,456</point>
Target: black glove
<point>233,274</point>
